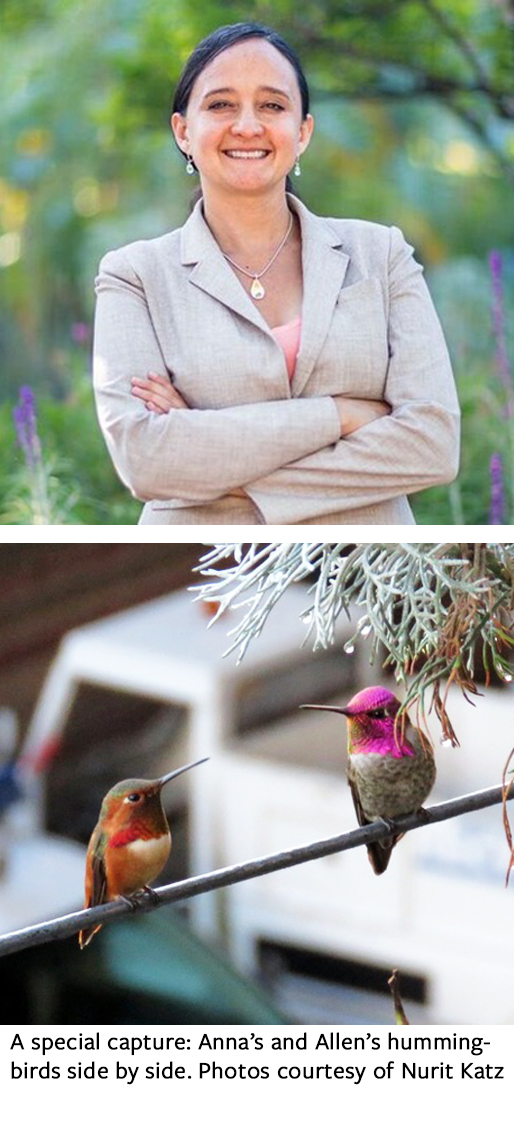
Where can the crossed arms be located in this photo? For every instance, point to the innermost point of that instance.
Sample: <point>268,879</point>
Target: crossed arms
<point>296,458</point>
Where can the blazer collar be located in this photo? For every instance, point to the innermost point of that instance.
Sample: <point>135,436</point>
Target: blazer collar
<point>324,265</point>
<point>211,271</point>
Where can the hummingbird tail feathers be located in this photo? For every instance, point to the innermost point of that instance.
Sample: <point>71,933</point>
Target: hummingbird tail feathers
<point>86,935</point>
<point>379,855</point>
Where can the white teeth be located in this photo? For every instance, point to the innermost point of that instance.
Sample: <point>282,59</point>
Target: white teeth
<point>246,153</point>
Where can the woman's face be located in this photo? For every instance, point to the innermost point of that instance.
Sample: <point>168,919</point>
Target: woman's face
<point>243,125</point>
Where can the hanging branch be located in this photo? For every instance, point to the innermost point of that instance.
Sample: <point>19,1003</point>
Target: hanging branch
<point>70,924</point>
<point>507,791</point>
<point>399,1010</point>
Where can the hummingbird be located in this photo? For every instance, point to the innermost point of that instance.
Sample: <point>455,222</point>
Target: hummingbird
<point>391,767</point>
<point>130,844</point>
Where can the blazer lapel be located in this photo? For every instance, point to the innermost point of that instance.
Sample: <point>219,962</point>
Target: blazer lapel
<point>211,272</point>
<point>324,269</point>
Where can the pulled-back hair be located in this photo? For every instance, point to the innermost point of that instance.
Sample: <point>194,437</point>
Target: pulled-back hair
<point>218,41</point>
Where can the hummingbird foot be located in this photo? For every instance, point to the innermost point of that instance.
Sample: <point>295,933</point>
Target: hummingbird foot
<point>390,824</point>
<point>156,898</point>
<point>132,902</point>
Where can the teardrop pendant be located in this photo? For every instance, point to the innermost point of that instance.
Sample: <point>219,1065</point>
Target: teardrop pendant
<point>257,289</point>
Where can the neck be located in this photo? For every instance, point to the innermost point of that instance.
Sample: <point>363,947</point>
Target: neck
<point>382,746</point>
<point>387,741</point>
<point>138,829</point>
<point>247,226</point>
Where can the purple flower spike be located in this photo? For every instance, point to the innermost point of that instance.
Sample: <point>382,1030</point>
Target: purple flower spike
<point>495,264</point>
<point>24,415</point>
<point>498,321</point>
<point>496,505</point>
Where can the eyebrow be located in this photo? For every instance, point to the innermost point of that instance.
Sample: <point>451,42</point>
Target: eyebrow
<point>231,90</point>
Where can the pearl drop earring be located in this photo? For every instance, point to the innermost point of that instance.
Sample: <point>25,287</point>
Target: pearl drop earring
<point>297,171</point>
<point>190,167</point>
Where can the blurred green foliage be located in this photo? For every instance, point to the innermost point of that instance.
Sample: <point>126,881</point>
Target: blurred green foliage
<point>414,109</point>
<point>82,485</point>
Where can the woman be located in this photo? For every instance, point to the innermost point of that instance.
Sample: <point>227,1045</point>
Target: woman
<point>262,364</point>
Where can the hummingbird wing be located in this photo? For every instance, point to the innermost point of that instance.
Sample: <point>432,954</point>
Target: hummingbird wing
<point>378,853</point>
<point>96,882</point>
<point>363,819</point>
<point>98,894</point>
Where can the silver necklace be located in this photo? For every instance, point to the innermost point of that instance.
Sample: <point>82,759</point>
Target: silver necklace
<point>257,290</point>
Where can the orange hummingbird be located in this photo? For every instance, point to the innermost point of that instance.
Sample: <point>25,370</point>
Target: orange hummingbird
<point>130,844</point>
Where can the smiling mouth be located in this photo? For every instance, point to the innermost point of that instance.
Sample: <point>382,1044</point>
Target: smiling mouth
<point>247,155</point>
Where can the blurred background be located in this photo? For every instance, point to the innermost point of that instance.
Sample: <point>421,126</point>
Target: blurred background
<point>108,670</point>
<point>414,110</point>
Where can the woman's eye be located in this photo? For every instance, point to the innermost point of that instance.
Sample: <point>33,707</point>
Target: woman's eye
<point>222,105</point>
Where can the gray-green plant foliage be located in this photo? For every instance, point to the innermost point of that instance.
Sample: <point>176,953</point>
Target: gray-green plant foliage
<point>434,608</point>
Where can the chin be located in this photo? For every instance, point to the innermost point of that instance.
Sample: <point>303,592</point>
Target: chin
<point>254,181</point>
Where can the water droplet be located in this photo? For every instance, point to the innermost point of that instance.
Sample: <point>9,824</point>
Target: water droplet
<point>349,648</point>
<point>307,618</point>
<point>366,631</point>
<point>507,677</point>
<point>446,742</point>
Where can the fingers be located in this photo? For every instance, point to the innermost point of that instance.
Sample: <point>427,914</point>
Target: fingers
<point>154,407</point>
<point>158,393</point>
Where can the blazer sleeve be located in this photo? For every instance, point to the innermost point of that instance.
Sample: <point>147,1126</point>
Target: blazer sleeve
<point>415,447</point>
<point>195,455</point>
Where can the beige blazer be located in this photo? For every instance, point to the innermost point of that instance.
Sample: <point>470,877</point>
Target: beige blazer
<point>174,305</point>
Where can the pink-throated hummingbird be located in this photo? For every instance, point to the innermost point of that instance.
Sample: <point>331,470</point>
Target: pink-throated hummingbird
<point>391,767</point>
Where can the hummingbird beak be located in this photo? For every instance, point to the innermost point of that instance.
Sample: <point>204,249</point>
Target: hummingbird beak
<point>171,775</point>
<point>330,709</point>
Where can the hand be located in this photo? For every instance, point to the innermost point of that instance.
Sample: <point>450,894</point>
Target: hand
<point>158,393</point>
<point>356,412</point>
<point>159,396</point>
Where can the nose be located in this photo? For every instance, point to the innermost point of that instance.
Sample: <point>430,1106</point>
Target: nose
<point>246,123</point>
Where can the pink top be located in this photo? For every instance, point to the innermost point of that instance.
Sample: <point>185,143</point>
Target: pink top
<point>288,336</point>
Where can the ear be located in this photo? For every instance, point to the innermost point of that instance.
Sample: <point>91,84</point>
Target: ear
<point>179,126</point>
<point>306,130</point>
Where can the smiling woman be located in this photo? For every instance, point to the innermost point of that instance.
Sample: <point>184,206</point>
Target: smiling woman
<point>262,364</point>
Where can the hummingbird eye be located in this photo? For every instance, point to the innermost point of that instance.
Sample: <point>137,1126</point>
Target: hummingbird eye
<point>134,797</point>
<point>377,714</point>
